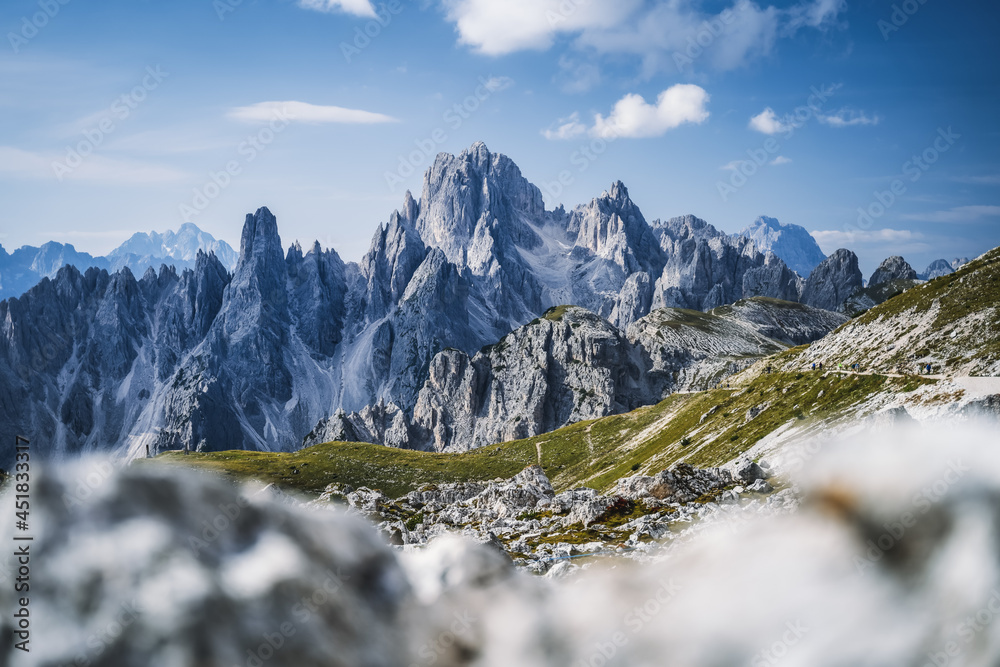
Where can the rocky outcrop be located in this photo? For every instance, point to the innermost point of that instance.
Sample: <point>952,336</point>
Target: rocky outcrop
<point>681,484</point>
<point>568,366</point>
<point>382,423</point>
<point>832,281</point>
<point>571,365</point>
<point>892,269</point>
<point>685,350</point>
<point>706,268</point>
<point>792,243</point>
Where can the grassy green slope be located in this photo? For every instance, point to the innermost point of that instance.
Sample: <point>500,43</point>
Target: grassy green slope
<point>593,453</point>
<point>952,322</point>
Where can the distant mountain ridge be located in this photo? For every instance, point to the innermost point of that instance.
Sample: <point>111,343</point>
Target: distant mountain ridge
<point>792,243</point>
<point>257,357</point>
<point>23,268</point>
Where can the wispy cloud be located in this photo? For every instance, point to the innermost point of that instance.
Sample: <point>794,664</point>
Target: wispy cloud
<point>957,214</point>
<point>848,118</point>
<point>780,160</point>
<point>303,112</point>
<point>566,128</point>
<point>633,117</point>
<point>94,168</point>
<point>838,238</point>
<point>356,7</point>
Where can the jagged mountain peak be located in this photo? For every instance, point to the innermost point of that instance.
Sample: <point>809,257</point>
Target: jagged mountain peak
<point>613,227</point>
<point>411,209</point>
<point>618,192</point>
<point>257,293</point>
<point>833,280</point>
<point>260,235</point>
<point>892,268</point>
<point>687,227</point>
<point>465,195</point>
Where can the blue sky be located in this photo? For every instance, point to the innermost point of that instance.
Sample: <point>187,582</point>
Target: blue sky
<point>205,110</point>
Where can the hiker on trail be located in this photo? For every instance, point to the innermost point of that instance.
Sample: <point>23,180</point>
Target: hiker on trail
<point>814,366</point>
<point>821,365</point>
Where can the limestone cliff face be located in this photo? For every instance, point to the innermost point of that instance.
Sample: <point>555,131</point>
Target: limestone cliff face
<point>566,367</point>
<point>571,365</point>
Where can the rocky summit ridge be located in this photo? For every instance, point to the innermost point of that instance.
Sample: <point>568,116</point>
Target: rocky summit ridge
<point>207,359</point>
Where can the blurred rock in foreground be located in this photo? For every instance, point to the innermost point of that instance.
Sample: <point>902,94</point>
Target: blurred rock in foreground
<point>893,559</point>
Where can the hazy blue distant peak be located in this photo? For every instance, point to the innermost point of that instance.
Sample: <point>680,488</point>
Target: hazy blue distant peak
<point>23,268</point>
<point>792,243</point>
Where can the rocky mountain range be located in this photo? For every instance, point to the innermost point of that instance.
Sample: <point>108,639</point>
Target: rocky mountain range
<point>257,358</point>
<point>25,267</point>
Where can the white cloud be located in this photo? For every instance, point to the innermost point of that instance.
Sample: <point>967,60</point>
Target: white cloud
<point>633,117</point>
<point>732,166</point>
<point>848,118</point>
<point>303,112</point>
<point>957,214</point>
<point>660,34</point>
<point>840,238</point>
<point>780,160</point>
<point>356,7</point>
<point>93,168</point>
<point>566,128</point>
<point>768,122</point>
<point>497,28</point>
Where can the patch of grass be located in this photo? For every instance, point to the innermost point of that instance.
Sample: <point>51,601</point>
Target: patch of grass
<point>555,314</point>
<point>393,471</point>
